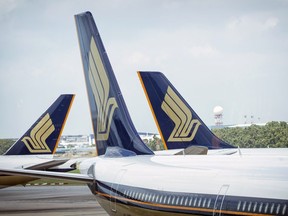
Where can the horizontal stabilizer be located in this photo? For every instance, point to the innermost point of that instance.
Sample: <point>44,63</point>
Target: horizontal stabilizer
<point>45,174</point>
<point>194,150</point>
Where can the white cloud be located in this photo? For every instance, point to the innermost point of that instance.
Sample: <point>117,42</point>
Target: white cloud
<point>187,41</point>
<point>138,58</point>
<point>271,22</point>
<point>247,25</point>
<point>205,50</point>
<point>6,6</point>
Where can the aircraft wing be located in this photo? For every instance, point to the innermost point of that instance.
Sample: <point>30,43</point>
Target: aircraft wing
<point>46,164</point>
<point>46,174</point>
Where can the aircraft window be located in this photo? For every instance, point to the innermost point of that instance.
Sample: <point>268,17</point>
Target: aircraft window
<point>157,196</point>
<point>238,206</point>
<point>278,209</point>
<point>182,200</point>
<point>168,201</point>
<point>186,201</point>
<point>153,198</point>
<point>160,201</point>
<point>195,201</point>
<point>244,206</point>
<point>209,202</point>
<point>255,207</point>
<point>260,207</point>
<point>173,199</point>
<point>266,207</point>
<point>204,202</point>
<point>177,200</point>
<point>272,208</point>
<point>284,209</point>
<point>249,206</point>
<point>191,199</point>
<point>149,198</point>
<point>200,200</point>
<point>164,200</point>
<point>146,197</point>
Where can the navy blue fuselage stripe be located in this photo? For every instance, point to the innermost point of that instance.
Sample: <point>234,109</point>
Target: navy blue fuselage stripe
<point>190,202</point>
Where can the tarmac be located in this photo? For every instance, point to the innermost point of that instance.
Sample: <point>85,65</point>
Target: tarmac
<point>49,201</point>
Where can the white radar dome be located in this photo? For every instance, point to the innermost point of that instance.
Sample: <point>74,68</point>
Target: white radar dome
<point>218,110</point>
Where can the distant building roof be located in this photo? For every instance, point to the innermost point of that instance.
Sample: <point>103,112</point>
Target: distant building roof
<point>235,125</point>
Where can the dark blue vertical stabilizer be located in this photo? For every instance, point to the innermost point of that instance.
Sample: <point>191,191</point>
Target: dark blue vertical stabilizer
<point>177,122</point>
<point>43,136</point>
<point>111,121</point>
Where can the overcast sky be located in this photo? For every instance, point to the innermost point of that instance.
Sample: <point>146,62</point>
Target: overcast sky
<point>228,53</point>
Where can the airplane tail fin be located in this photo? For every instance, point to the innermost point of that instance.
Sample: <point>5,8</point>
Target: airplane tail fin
<point>111,121</point>
<point>178,124</point>
<point>44,135</point>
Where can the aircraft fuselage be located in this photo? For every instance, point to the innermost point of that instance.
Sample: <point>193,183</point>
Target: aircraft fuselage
<point>205,185</point>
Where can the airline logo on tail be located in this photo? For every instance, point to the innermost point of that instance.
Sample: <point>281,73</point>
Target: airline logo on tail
<point>185,127</point>
<point>36,143</point>
<point>100,87</point>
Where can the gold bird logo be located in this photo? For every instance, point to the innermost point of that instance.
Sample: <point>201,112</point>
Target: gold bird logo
<point>100,87</point>
<point>185,126</point>
<point>36,142</point>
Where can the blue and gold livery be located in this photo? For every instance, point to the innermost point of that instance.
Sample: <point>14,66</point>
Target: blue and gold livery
<point>43,136</point>
<point>111,121</point>
<point>177,122</point>
<point>127,183</point>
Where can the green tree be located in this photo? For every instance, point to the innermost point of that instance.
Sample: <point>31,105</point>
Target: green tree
<point>155,144</point>
<point>273,134</point>
<point>5,145</point>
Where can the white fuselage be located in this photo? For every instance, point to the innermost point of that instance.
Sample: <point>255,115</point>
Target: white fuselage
<point>234,151</point>
<point>259,177</point>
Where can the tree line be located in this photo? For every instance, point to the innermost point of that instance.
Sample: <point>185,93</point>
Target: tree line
<point>5,144</point>
<point>273,135</point>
